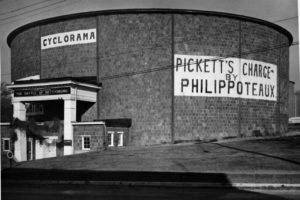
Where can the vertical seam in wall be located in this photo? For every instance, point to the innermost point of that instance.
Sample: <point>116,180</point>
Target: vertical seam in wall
<point>278,85</point>
<point>97,66</point>
<point>40,49</point>
<point>239,98</point>
<point>172,71</point>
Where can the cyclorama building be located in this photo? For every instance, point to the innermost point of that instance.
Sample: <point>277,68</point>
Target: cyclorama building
<point>144,77</point>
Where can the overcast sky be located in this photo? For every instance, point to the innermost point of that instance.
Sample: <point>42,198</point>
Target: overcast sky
<point>15,13</point>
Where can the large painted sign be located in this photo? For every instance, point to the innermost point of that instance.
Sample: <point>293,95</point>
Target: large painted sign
<point>229,77</point>
<point>68,38</point>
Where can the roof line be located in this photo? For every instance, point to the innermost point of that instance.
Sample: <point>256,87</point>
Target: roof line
<point>14,33</point>
<point>53,81</point>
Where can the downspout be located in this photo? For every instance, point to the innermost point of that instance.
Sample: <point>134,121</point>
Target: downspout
<point>104,136</point>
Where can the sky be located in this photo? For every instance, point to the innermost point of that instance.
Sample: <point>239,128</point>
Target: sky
<point>15,13</point>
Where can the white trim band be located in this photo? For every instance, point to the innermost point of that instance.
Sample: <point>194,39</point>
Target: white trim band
<point>88,123</point>
<point>4,123</point>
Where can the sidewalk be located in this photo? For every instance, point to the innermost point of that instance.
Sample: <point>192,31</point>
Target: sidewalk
<point>266,162</point>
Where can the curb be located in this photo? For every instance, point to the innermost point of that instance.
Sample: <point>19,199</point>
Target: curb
<point>160,184</point>
<point>138,178</point>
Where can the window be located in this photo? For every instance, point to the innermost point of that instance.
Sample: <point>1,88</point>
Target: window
<point>120,140</point>
<point>115,138</point>
<point>86,142</point>
<point>6,144</point>
<point>110,138</point>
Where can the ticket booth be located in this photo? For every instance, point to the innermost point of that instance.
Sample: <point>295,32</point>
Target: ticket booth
<point>58,97</point>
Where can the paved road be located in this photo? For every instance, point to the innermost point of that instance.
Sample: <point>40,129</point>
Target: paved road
<point>86,192</point>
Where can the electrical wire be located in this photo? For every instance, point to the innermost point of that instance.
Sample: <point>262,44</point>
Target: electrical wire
<point>295,17</point>
<point>30,5</point>
<point>170,66</point>
<point>162,46</point>
<point>29,11</point>
<point>260,50</point>
<point>43,11</point>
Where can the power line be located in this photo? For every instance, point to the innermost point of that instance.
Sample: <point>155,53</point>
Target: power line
<point>159,45</point>
<point>73,2</point>
<point>170,66</point>
<point>286,19</point>
<point>30,5</point>
<point>162,46</point>
<point>3,19</point>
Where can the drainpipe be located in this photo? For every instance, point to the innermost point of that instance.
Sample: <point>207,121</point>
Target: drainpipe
<point>104,137</point>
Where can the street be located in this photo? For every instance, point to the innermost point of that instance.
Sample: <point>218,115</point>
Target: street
<point>133,192</point>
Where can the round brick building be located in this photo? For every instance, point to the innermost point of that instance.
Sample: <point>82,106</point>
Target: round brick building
<point>173,75</point>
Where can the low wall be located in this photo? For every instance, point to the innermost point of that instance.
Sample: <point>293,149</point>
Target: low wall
<point>93,129</point>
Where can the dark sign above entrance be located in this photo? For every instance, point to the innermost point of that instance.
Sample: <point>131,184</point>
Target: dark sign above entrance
<point>42,91</point>
<point>67,142</point>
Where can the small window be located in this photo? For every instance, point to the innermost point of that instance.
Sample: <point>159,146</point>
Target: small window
<point>6,144</point>
<point>86,142</point>
<point>110,138</point>
<point>120,140</point>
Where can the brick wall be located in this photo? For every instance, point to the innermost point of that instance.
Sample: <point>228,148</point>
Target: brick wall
<point>74,60</point>
<point>96,133</point>
<point>258,43</point>
<point>292,98</point>
<point>205,117</point>
<point>90,114</point>
<point>25,54</point>
<point>131,44</point>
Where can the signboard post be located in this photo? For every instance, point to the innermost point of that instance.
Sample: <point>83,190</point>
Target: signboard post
<point>67,142</point>
<point>10,156</point>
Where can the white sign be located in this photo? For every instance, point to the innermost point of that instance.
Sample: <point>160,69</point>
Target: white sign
<point>229,77</point>
<point>68,38</point>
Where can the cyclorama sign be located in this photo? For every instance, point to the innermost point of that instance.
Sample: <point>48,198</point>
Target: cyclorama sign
<point>42,91</point>
<point>229,77</point>
<point>68,38</point>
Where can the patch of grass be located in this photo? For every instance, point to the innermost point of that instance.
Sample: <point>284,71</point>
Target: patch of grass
<point>234,156</point>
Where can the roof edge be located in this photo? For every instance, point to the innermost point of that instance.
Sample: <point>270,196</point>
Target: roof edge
<point>15,32</point>
<point>87,79</point>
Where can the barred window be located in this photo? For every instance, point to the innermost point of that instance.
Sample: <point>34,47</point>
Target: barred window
<point>86,142</point>
<point>6,144</point>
